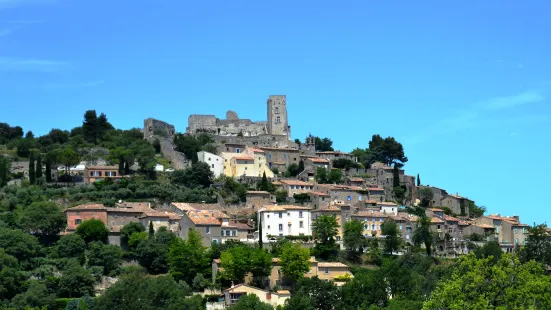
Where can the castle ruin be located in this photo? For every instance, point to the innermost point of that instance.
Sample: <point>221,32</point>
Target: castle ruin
<point>276,124</point>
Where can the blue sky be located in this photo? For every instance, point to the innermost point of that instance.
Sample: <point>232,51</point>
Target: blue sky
<point>464,85</point>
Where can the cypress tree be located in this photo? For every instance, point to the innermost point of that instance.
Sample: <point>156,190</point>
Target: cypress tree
<point>48,171</point>
<point>260,231</point>
<point>264,183</point>
<point>151,229</point>
<point>39,167</point>
<point>418,180</point>
<point>32,173</point>
<point>301,166</point>
<point>126,168</point>
<point>396,177</point>
<point>4,168</point>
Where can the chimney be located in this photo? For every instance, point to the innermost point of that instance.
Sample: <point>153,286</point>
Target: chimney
<point>232,285</point>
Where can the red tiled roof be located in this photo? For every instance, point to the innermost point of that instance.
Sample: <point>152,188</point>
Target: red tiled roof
<point>318,160</point>
<point>206,217</point>
<point>330,208</point>
<point>375,189</point>
<point>87,206</point>
<point>278,149</point>
<point>258,193</point>
<point>436,210</point>
<point>189,206</point>
<point>283,208</point>
<point>370,214</point>
<point>242,157</point>
<point>356,180</point>
<point>436,220</point>
<point>240,226</point>
<point>295,182</point>
<point>332,264</point>
<point>450,218</point>
<point>319,194</point>
<point>386,203</point>
<point>256,150</point>
<point>103,167</point>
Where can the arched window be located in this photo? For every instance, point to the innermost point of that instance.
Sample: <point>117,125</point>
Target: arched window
<point>278,120</point>
<point>276,110</point>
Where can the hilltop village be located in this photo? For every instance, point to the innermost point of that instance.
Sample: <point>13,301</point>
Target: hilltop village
<point>230,209</point>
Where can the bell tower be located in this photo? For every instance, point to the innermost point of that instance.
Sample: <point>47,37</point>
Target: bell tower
<point>277,116</point>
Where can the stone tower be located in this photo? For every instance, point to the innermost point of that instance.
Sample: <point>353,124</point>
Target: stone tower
<point>277,116</point>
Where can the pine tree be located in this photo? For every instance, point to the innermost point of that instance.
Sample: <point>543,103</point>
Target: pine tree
<point>126,168</point>
<point>32,173</point>
<point>39,167</point>
<point>418,180</point>
<point>4,169</point>
<point>151,229</point>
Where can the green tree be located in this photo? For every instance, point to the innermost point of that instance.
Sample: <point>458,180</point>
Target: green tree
<point>51,158</point>
<point>335,176</point>
<point>68,157</point>
<point>107,256</point>
<point>375,254</point>
<point>151,229</point>
<point>281,196</point>
<point>11,276</point>
<point>264,184</point>
<point>294,261</point>
<point>353,239</point>
<point>32,173</point>
<point>387,150</point>
<point>94,128</point>
<point>426,196</point>
<point>199,174</point>
<point>20,245</point>
<point>392,235</point>
<point>323,295</point>
<point>418,180</point>
<point>152,253</point>
<point>345,163</point>
<point>365,290</point>
<point>489,284</point>
<point>43,219</point>
<point>238,261</point>
<point>538,245</point>
<point>293,170</point>
<point>38,166</point>
<point>323,145</point>
<point>71,246</point>
<point>92,230</point>
<point>422,233</point>
<point>156,293</point>
<point>301,165</point>
<point>5,166</point>
<point>75,281</point>
<point>321,175</point>
<point>491,248</point>
<point>252,301</point>
<point>36,296</point>
<point>324,231</point>
<point>129,229</point>
<point>476,211</point>
<point>188,258</point>
<point>136,239</point>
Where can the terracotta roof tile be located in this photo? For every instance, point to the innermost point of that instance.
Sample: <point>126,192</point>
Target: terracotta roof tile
<point>127,210</point>
<point>206,217</point>
<point>188,206</point>
<point>318,194</point>
<point>258,193</point>
<point>283,208</point>
<point>255,150</point>
<point>240,226</point>
<point>485,226</point>
<point>356,180</point>
<point>295,182</point>
<point>87,206</point>
<point>318,160</point>
<point>278,149</point>
<point>436,220</point>
<point>450,218</point>
<point>332,264</point>
<point>330,208</point>
<point>386,203</point>
<point>436,210</point>
<point>242,157</point>
<point>370,213</point>
<point>375,189</point>
<point>103,167</point>
<point>283,292</point>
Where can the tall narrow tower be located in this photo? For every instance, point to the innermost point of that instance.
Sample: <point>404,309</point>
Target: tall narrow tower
<point>277,116</point>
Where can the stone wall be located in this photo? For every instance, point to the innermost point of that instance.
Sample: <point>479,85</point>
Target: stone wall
<point>164,132</point>
<point>231,126</point>
<point>260,140</point>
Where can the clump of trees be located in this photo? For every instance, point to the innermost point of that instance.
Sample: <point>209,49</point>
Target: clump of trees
<point>386,150</point>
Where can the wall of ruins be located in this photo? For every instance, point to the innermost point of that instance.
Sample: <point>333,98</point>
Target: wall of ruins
<point>153,127</point>
<point>232,126</point>
<point>260,140</point>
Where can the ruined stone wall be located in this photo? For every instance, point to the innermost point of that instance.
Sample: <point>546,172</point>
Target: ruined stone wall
<point>153,127</point>
<point>164,132</point>
<point>260,140</point>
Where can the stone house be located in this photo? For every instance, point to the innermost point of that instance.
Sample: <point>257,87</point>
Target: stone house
<point>293,187</point>
<point>284,220</point>
<point>343,193</point>
<point>97,173</point>
<point>260,161</point>
<point>376,193</point>
<point>159,219</point>
<point>258,199</point>
<point>182,207</point>
<point>232,295</point>
<point>459,205</point>
<point>406,224</point>
<point>236,231</point>
<point>332,155</point>
<point>281,157</point>
<point>215,162</point>
<point>505,228</point>
<point>208,223</point>
<point>388,207</point>
<point>81,213</point>
<point>329,271</point>
<point>317,162</point>
<point>372,221</point>
<point>319,200</point>
<point>232,148</point>
<point>355,181</point>
<point>243,164</point>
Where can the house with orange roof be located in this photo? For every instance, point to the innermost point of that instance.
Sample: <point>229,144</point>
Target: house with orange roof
<point>208,223</point>
<point>319,199</point>
<point>284,220</point>
<point>508,230</point>
<point>249,163</point>
<point>81,213</point>
<point>97,173</point>
<point>257,199</point>
<point>372,221</point>
<point>332,210</point>
<point>281,157</point>
<point>160,219</point>
<point>353,195</point>
<point>294,186</point>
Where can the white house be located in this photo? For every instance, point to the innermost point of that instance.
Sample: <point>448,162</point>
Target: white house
<point>388,207</point>
<point>285,220</point>
<point>215,162</point>
<point>159,168</point>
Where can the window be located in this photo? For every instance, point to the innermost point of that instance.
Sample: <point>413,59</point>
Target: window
<point>215,241</point>
<point>372,226</point>
<point>348,197</point>
<point>301,224</point>
<point>338,238</point>
<point>95,173</point>
<point>284,156</point>
<point>450,230</point>
<point>400,227</point>
<point>237,150</point>
<point>268,216</point>
<point>212,165</point>
<point>269,156</point>
<point>268,226</point>
<point>438,226</point>
<point>209,158</point>
<point>300,214</point>
<point>292,187</point>
<point>326,270</point>
<point>207,229</point>
<point>365,226</point>
<point>280,227</point>
<point>78,221</point>
<point>110,174</point>
<point>278,120</point>
<point>234,233</point>
<point>516,241</point>
<point>360,197</point>
<point>280,215</point>
<point>277,110</point>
